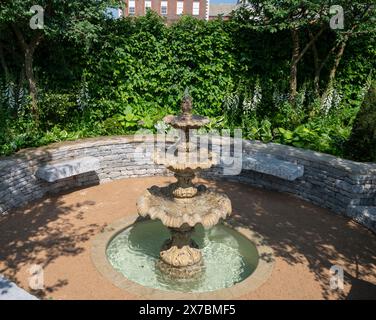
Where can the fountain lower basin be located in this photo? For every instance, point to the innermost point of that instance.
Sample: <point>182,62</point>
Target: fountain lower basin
<point>105,239</point>
<point>228,257</point>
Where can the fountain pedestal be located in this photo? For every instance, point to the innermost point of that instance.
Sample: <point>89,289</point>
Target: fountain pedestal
<point>181,250</point>
<point>182,205</point>
<point>180,256</point>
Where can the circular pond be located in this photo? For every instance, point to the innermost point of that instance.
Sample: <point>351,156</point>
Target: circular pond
<point>229,257</point>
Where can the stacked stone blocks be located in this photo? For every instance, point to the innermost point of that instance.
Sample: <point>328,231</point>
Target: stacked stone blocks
<point>345,187</point>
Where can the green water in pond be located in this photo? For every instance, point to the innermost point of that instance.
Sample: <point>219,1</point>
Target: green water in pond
<point>228,257</point>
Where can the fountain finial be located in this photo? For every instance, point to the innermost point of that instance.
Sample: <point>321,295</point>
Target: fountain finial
<point>186,120</point>
<point>186,104</point>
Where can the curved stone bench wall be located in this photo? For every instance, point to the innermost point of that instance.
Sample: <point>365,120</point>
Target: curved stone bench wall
<point>119,158</point>
<point>345,187</point>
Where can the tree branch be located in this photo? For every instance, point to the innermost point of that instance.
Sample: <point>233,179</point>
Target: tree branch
<point>3,62</point>
<point>20,37</point>
<point>309,44</point>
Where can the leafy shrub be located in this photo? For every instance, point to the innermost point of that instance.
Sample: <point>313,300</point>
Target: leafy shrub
<point>362,142</point>
<point>57,108</point>
<point>136,70</point>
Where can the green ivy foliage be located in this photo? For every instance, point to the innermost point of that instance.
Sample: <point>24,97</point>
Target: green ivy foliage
<point>147,65</point>
<point>136,71</point>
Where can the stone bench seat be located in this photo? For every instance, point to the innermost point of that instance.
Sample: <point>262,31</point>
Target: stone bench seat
<point>268,164</point>
<point>10,291</point>
<point>64,169</point>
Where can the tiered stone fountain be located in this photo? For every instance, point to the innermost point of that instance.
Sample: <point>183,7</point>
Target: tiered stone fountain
<point>183,205</point>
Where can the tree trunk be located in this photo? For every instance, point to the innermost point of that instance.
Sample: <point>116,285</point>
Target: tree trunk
<point>316,62</point>
<point>337,60</point>
<point>3,63</point>
<point>28,50</point>
<point>20,87</point>
<point>316,82</point>
<point>31,81</point>
<point>333,71</point>
<point>294,64</point>
<point>297,55</point>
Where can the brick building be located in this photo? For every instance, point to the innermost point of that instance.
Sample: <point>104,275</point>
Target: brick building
<point>171,9</point>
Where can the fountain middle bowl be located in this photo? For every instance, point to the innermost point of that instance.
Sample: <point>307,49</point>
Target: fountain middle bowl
<point>206,208</point>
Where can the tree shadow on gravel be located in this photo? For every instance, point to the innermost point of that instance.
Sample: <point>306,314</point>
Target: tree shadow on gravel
<point>300,232</point>
<point>40,233</point>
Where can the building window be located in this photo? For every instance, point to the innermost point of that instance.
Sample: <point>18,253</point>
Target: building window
<point>164,7</point>
<point>196,8</point>
<point>131,7</point>
<point>179,7</point>
<point>147,5</point>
